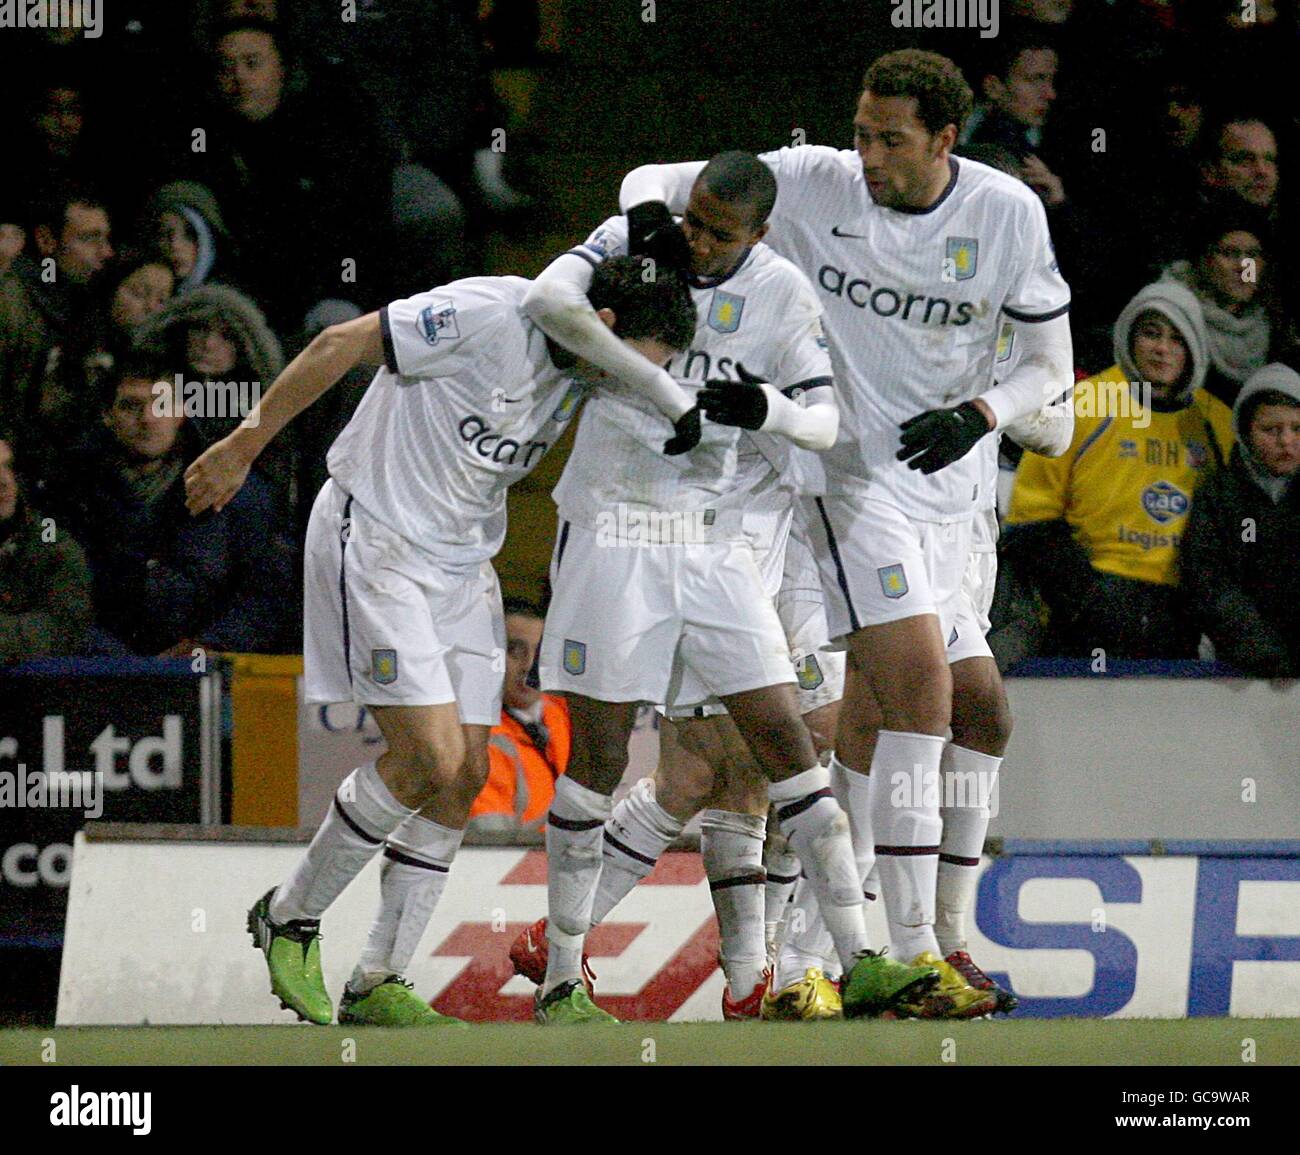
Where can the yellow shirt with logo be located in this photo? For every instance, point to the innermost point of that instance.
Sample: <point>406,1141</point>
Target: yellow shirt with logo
<point>1125,484</point>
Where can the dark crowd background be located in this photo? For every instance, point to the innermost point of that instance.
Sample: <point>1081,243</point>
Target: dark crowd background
<point>216,181</point>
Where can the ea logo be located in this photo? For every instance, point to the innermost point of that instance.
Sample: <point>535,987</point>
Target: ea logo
<point>1164,502</point>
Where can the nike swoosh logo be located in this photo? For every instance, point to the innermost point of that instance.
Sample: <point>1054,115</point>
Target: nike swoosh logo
<point>835,232</point>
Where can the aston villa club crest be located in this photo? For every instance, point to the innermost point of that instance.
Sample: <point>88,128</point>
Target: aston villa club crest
<point>893,581</point>
<point>575,657</point>
<point>383,666</point>
<point>960,258</point>
<point>809,672</point>
<point>725,310</point>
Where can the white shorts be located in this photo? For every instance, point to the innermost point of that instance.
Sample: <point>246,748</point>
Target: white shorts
<point>627,621</point>
<point>878,565</point>
<point>384,625</point>
<point>977,587</point>
<point>800,604</point>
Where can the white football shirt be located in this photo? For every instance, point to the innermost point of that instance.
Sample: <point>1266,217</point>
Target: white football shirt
<point>913,305</point>
<point>467,403</point>
<point>763,316</point>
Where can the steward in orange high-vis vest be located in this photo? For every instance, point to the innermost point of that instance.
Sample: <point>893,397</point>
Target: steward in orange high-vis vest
<point>524,760</point>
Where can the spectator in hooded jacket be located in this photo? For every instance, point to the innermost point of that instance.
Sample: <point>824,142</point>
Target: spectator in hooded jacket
<point>183,224</point>
<point>217,334</point>
<point>1097,529</point>
<point>44,581</point>
<point>164,581</point>
<point>1240,559</point>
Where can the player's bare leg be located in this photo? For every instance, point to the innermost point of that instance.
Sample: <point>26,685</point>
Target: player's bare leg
<point>574,838</point>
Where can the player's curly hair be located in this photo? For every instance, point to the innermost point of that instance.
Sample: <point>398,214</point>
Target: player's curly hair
<point>942,95</point>
<point>648,303</point>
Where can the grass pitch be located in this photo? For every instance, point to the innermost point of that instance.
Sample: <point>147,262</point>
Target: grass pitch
<point>1023,1042</point>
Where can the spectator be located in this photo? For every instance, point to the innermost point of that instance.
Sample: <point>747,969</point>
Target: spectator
<point>1096,531</point>
<point>1018,81</point>
<point>44,581</point>
<point>183,224</point>
<point>42,305</point>
<point>218,334</point>
<point>13,234</point>
<point>1238,168</point>
<point>529,749</point>
<point>282,162</point>
<point>163,581</point>
<point>1228,272</point>
<point>1239,556</point>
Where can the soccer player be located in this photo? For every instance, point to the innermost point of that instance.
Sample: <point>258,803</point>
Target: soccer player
<point>706,768</point>
<point>981,724</point>
<point>660,593</point>
<point>402,607</point>
<point>918,257</point>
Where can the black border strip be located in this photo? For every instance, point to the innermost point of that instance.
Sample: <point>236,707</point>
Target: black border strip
<point>390,350</point>
<point>408,860</point>
<point>841,576</point>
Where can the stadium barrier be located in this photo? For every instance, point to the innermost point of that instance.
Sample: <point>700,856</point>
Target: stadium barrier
<point>156,930</point>
<point>140,739</point>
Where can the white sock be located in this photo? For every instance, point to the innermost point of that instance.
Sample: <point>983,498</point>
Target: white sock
<point>574,831</point>
<point>854,792</point>
<point>731,845</point>
<point>812,945</point>
<point>417,858</point>
<point>905,817</point>
<point>819,834</point>
<point>807,941</point>
<point>871,884</point>
<point>782,868</point>
<point>363,814</point>
<point>637,833</point>
<point>968,778</point>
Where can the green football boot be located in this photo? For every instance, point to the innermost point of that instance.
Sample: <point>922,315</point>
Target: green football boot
<point>877,984</point>
<point>292,952</point>
<point>393,1003</point>
<point>568,1003</point>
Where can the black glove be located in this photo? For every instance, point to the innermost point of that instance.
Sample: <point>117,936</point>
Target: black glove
<point>939,437</point>
<point>740,403</point>
<point>652,232</point>
<point>687,433</point>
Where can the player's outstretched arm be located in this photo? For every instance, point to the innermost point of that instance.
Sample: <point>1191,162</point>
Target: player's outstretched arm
<point>812,421</point>
<point>557,303</point>
<point>668,183</point>
<point>217,474</point>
